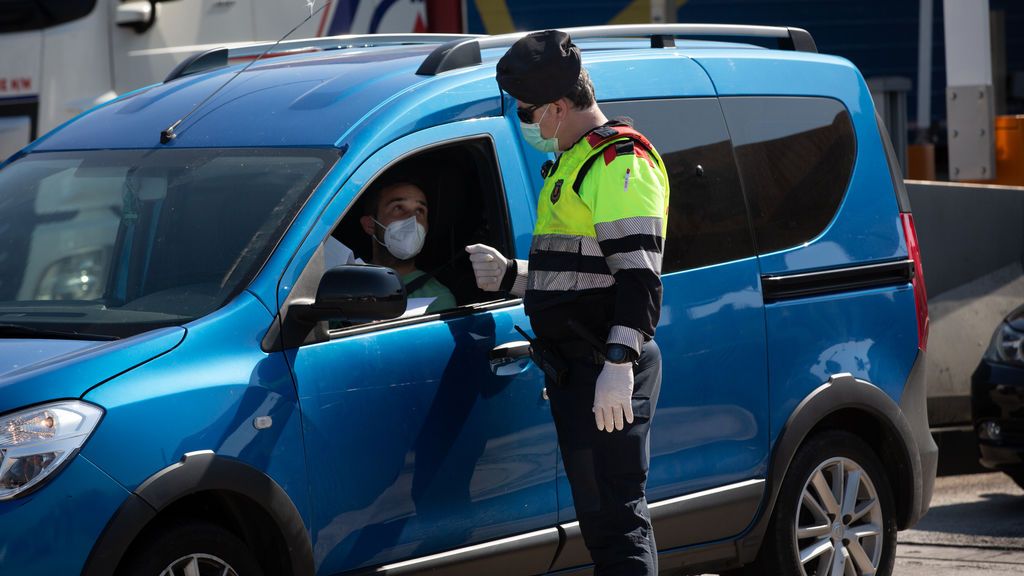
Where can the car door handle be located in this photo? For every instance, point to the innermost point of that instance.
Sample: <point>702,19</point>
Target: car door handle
<point>510,358</point>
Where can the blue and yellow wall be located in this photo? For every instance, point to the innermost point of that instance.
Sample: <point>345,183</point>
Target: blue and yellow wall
<point>879,36</point>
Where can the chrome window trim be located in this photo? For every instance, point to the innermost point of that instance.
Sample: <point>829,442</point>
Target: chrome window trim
<point>447,314</point>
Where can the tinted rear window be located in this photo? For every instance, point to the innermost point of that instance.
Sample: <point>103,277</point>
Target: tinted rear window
<point>707,221</point>
<point>795,158</point>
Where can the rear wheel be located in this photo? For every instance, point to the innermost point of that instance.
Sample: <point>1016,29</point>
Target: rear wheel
<point>835,514</point>
<point>191,549</point>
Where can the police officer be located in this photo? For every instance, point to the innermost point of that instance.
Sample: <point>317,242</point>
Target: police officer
<point>592,290</point>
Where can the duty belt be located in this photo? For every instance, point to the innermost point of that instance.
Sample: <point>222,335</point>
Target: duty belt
<point>575,350</point>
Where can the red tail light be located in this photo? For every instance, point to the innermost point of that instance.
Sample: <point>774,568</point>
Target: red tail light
<point>920,295</point>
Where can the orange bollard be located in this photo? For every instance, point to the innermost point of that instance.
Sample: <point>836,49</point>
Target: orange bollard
<point>1009,150</point>
<point>921,162</point>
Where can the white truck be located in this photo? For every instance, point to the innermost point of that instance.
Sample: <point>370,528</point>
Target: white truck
<point>59,58</point>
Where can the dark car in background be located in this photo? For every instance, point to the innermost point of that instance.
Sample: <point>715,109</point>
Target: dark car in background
<point>997,399</point>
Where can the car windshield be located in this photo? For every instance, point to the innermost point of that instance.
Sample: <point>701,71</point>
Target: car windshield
<point>110,243</point>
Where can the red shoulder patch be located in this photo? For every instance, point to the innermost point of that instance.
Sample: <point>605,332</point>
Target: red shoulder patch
<point>634,135</point>
<point>623,148</point>
<point>641,152</point>
<point>609,155</point>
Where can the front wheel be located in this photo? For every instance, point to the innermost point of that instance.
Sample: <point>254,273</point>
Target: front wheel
<point>191,549</point>
<point>835,514</point>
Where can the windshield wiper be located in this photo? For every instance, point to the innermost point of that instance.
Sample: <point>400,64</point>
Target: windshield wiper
<point>19,331</point>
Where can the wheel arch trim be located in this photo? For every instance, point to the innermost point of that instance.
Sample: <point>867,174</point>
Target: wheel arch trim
<point>841,392</point>
<point>196,472</point>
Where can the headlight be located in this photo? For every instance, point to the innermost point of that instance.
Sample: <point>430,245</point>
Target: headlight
<point>78,277</point>
<point>36,442</point>
<point>1006,346</point>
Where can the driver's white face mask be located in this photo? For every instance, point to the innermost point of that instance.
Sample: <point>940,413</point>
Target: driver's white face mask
<point>403,238</point>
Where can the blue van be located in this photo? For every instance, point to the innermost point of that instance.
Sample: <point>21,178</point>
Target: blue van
<point>189,386</point>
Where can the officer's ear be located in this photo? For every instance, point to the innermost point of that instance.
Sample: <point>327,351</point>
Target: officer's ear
<point>562,107</point>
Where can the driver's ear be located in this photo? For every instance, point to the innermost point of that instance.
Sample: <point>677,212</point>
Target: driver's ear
<point>367,224</point>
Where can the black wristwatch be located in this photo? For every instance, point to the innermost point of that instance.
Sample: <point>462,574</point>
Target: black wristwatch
<point>619,354</point>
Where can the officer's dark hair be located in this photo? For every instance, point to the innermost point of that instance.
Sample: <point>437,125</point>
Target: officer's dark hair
<point>582,93</point>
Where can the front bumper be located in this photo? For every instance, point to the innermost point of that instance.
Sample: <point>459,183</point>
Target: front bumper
<point>997,396</point>
<point>52,530</point>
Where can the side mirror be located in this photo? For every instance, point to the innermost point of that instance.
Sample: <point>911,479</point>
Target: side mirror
<point>357,293</point>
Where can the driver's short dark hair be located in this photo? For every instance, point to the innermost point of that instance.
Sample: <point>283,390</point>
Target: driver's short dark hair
<point>370,201</point>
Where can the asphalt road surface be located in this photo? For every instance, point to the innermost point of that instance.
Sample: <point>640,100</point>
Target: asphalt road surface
<point>975,527</point>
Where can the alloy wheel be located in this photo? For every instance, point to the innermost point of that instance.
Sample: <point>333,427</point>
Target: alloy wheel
<point>839,521</point>
<point>199,565</point>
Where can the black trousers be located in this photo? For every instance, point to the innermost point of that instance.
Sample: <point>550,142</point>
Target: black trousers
<point>608,471</point>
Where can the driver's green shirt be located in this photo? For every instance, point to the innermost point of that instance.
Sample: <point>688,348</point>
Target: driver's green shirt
<point>443,298</point>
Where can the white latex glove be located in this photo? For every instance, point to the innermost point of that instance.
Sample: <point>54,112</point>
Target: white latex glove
<point>489,266</point>
<point>613,396</point>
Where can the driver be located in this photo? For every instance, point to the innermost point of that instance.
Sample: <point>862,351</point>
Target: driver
<point>395,217</point>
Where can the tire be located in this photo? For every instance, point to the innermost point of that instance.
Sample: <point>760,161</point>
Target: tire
<point>831,539</point>
<point>208,547</point>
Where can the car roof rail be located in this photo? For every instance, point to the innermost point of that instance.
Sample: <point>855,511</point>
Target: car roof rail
<point>466,52</point>
<point>200,62</point>
<point>220,56</point>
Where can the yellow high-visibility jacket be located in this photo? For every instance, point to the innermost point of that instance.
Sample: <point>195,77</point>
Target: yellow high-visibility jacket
<point>597,246</point>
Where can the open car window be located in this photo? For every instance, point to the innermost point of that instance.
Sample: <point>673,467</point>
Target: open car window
<point>466,205</point>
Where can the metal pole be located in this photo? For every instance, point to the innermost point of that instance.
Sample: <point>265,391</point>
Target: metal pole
<point>970,112</point>
<point>663,11</point>
<point>924,69</point>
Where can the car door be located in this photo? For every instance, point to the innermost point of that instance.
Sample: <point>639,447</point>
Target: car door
<point>415,445</point>
<point>709,439</point>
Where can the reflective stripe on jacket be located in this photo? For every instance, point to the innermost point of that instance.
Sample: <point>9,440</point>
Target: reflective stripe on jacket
<point>603,243</point>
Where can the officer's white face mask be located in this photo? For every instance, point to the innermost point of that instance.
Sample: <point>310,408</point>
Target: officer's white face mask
<point>403,238</point>
<point>531,133</point>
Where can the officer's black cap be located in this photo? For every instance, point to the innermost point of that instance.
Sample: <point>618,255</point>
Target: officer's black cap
<point>540,67</point>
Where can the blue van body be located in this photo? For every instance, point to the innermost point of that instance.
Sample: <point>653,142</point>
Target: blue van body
<point>393,445</point>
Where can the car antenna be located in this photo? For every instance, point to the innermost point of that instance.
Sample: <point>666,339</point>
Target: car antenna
<point>169,134</point>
